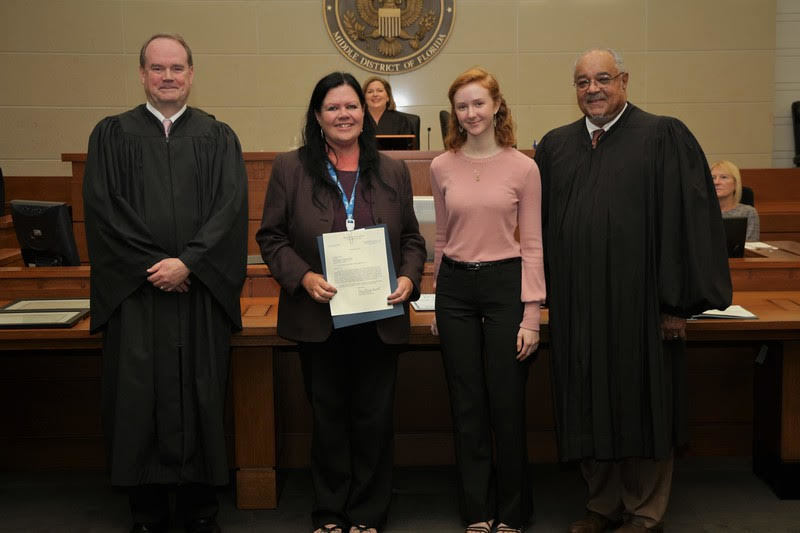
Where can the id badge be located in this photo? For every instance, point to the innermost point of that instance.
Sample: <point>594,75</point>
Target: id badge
<point>350,224</point>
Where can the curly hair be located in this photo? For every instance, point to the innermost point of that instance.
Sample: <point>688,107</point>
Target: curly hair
<point>503,123</point>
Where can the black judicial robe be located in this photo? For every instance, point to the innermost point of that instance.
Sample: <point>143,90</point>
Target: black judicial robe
<point>392,123</point>
<point>632,229</point>
<point>165,355</point>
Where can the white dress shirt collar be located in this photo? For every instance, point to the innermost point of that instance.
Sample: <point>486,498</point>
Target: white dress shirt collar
<point>161,117</point>
<point>607,126</point>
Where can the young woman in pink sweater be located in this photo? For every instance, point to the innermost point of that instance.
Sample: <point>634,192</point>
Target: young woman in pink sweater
<point>489,286</point>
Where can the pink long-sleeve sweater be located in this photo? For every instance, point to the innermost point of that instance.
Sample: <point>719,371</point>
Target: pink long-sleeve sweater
<point>479,204</point>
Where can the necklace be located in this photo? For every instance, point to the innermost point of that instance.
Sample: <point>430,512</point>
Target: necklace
<point>482,159</point>
<point>477,168</point>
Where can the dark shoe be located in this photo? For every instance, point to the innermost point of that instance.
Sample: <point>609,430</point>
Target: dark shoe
<point>630,527</point>
<point>503,528</point>
<point>361,529</point>
<point>203,525</point>
<point>329,528</point>
<point>480,527</point>
<point>150,528</point>
<point>591,523</point>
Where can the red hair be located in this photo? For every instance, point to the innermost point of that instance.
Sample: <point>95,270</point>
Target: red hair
<point>503,123</point>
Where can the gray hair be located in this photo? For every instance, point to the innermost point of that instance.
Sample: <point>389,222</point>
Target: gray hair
<point>618,61</point>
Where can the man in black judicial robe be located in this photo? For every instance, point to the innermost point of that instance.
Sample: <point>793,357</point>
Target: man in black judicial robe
<point>166,225</point>
<point>634,245</point>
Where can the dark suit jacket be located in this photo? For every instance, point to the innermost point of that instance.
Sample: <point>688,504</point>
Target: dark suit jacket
<point>288,240</point>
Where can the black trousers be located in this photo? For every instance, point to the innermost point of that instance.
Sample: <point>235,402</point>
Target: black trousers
<point>350,382</point>
<point>150,503</point>
<point>478,313</point>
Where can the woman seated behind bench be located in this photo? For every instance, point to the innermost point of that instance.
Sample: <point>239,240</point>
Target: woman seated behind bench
<point>728,183</point>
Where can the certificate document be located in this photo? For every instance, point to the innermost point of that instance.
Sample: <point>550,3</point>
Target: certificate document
<point>359,264</point>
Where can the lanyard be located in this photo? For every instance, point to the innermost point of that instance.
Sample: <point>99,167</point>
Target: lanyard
<point>349,205</point>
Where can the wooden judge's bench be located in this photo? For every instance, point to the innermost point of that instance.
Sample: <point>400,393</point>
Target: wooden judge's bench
<point>744,375</point>
<point>777,194</point>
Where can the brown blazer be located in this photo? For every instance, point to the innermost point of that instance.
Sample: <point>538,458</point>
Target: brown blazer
<point>288,240</point>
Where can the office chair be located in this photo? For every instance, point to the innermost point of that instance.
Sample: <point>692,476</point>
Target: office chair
<point>796,126</point>
<point>444,122</point>
<point>413,121</point>
<point>747,196</point>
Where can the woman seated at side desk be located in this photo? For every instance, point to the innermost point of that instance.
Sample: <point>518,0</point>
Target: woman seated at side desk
<point>382,109</point>
<point>728,183</point>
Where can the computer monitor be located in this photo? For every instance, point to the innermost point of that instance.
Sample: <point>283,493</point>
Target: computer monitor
<point>44,232</point>
<point>735,233</point>
<point>426,216</point>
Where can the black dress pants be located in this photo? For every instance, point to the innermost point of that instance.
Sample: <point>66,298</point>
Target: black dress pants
<point>350,382</point>
<point>150,503</point>
<point>478,313</point>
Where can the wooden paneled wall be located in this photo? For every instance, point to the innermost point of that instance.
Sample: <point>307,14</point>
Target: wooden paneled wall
<point>777,194</point>
<point>777,199</point>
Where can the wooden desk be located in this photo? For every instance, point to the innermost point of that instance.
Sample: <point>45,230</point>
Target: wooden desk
<point>776,448</point>
<point>779,220</point>
<point>777,200</point>
<point>8,237</point>
<point>777,193</point>
<point>789,246</point>
<point>784,250</point>
<point>776,428</point>
<point>252,382</point>
<point>11,257</point>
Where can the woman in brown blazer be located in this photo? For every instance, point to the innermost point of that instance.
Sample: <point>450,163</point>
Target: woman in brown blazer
<point>335,180</point>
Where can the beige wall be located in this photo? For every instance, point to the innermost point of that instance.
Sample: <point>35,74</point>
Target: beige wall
<point>787,79</point>
<point>67,63</point>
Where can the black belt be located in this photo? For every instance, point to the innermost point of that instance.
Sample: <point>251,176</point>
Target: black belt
<point>463,265</point>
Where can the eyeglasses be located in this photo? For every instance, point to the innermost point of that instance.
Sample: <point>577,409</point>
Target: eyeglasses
<point>601,81</point>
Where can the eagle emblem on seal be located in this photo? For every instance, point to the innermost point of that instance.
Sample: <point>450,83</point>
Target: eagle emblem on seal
<point>389,22</point>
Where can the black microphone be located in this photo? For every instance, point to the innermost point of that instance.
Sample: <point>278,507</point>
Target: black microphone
<point>429,138</point>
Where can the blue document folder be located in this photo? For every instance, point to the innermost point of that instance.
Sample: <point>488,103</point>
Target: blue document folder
<point>341,321</point>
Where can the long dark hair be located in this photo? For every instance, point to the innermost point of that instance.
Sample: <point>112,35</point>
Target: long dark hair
<point>314,152</point>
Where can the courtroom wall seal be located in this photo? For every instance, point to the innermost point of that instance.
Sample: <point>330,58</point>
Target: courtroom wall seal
<point>389,36</point>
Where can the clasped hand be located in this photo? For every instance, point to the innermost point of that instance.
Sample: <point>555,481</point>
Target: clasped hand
<point>169,274</point>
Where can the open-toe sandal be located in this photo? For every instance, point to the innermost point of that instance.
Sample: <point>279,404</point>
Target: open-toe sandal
<point>503,528</point>
<point>479,527</point>
<point>360,529</point>
<point>330,528</point>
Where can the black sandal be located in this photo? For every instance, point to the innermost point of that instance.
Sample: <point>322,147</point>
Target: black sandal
<point>502,528</point>
<point>360,529</point>
<point>329,528</point>
<point>478,527</point>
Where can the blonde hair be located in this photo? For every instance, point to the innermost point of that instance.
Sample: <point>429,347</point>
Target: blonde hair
<point>504,124</point>
<point>729,168</point>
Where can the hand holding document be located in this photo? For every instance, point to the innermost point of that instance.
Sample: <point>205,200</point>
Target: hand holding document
<point>359,264</point>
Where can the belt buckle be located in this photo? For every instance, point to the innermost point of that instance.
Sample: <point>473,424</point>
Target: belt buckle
<point>473,266</point>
